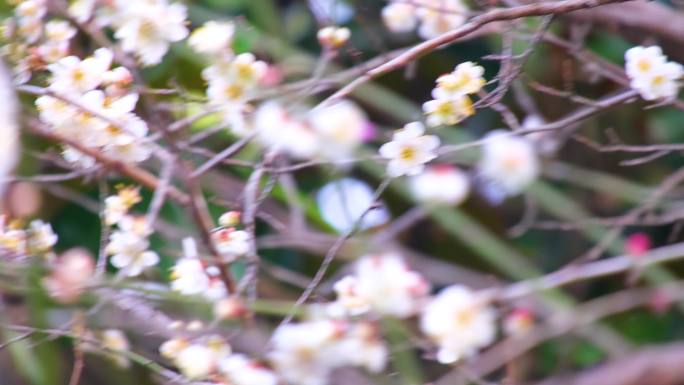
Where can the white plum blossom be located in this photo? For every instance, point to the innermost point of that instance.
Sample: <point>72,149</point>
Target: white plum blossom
<point>651,74</point>
<point>129,245</point>
<point>343,201</point>
<point>117,206</point>
<point>238,369</point>
<point>448,111</point>
<point>440,184</point>
<point>191,276</point>
<point>231,243</point>
<point>306,353</point>
<point>188,277</point>
<point>146,28</point>
<point>643,61</point>
<point>509,162</point>
<point>409,150</point>
<point>459,322</point>
<point>451,103</point>
<point>467,78</point>
<point>213,38</point>
<point>231,80</point>
<point>400,17</point>
<point>383,284</point>
<point>73,75</point>
<point>432,17</point>
<point>663,84</point>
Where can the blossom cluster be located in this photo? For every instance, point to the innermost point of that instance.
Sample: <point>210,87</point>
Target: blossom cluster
<point>37,238</point>
<point>192,276</point>
<point>231,78</point>
<point>128,245</point>
<point>32,42</point>
<point>206,357</point>
<point>456,319</point>
<point>431,17</point>
<point>451,103</point>
<point>651,74</point>
<point>93,105</point>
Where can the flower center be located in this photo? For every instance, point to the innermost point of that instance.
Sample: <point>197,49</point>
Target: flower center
<point>233,91</point>
<point>658,80</point>
<point>644,65</point>
<point>407,154</point>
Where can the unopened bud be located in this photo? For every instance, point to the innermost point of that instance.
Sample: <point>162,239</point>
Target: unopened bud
<point>230,219</point>
<point>229,308</point>
<point>333,37</point>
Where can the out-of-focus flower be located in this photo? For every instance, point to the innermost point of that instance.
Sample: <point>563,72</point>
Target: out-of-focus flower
<point>333,37</point>
<point>509,163</point>
<point>196,361</point>
<point>41,238</point>
<point>188,277</point>
<point>441,184</point>
<point>229,219</point>
<point>229,308</point>
<point>305,353</point>
<point>440,16</point>
<point>518,322</point>
<point>383,284</point>
<point>146,28</point>
<point>638,244</point>
<point>342,202</point>
<point>82,10</point>
<point>341,128</point>
<point>171,349</point>
<point>214,37</point>
<point>10,145</point>
<point>12,237</point>
<point>409,150</point>
<point>70,276</point>
<point>231,243</point>
<point>59,30</point>
<point>116,343</point>
<point>400,17</point>
<point>281,130</point>
<point>362,346</point>
<point>237,369</point>
<point>459,323</point>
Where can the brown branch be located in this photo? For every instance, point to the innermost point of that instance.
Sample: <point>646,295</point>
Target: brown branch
<point>658,365</point>
<point>139,175</point>
<point>537,9</point>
